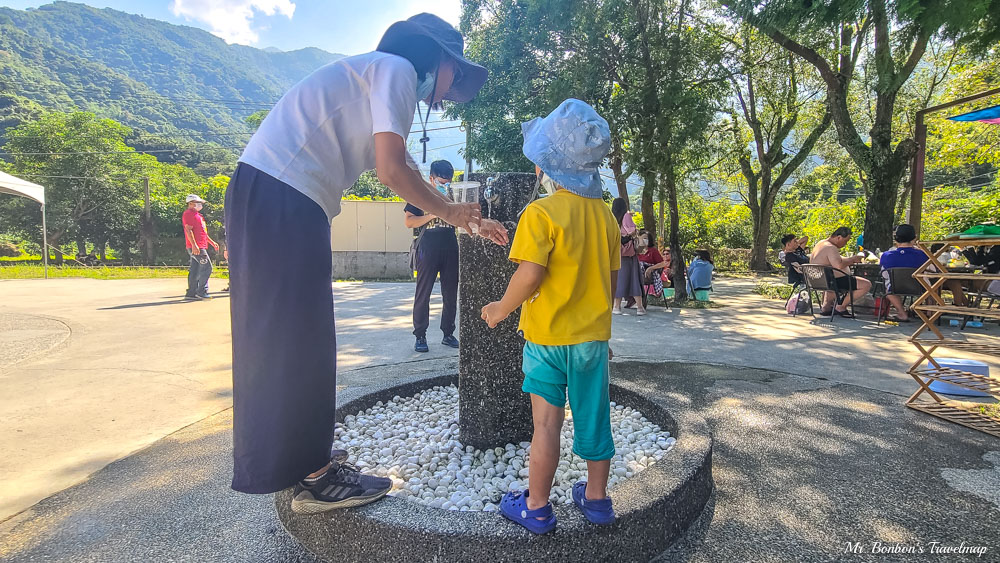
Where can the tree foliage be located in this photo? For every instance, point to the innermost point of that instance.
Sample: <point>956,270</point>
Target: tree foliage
<point>889,39</point>
<point>776,121</point>
<point>94,184</point>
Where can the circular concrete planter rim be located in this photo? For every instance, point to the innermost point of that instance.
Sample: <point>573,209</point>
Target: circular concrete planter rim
<point>653,508</point>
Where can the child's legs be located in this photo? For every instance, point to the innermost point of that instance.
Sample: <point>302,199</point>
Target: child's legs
<point>597,479</point>
<point>544,458</point>
<point>587,387</point>
<point>545,379</point>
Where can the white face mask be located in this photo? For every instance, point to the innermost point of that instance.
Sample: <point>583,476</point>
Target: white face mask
<point>197,207</point>
<point>425,88</point>
<point>443,188</point>
<point>549,184</point>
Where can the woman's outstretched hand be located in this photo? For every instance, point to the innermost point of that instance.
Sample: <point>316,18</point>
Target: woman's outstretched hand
<point>465,215</point>
<point>494,231</point>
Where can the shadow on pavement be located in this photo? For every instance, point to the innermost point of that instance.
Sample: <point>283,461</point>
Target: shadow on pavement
<point>177,301</point>
<point>802,468</point>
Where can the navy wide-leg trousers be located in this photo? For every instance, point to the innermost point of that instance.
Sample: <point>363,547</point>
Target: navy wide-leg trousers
<point>284,345</point>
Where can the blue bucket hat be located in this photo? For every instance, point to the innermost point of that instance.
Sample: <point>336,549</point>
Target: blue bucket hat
<point>569,145</point>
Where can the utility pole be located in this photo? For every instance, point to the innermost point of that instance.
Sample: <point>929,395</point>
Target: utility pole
<point>147,226</point>
<point>468,159</point>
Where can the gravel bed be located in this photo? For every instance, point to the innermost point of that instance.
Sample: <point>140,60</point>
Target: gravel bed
<point>414,441</point>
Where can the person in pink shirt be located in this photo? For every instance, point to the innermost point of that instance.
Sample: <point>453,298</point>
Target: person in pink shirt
<point>197,241</point>
<point>629,281</point>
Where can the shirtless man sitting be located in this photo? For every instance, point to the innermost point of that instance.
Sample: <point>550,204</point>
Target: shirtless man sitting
<point>827,253</point>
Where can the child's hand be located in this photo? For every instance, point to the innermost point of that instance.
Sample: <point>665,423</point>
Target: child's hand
<point>493,315</point>
<point>494,231</point>
<point>611,354</point>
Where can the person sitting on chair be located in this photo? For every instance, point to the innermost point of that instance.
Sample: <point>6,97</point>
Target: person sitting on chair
<point>906,255</point>
<point>651,264</point>
<point>793,253</point>
<point>700,271</point>
<point>827,253</point>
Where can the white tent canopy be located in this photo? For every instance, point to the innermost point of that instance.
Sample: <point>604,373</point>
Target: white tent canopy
<point>16,186</point>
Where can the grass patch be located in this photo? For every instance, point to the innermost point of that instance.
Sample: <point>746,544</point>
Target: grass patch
<point>695,304</point>
<point>990,410</point>
<point>31,271</point>
<point>773,290</point>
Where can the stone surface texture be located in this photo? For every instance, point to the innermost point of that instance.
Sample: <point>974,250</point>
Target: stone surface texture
<point>654,507</point>
<point>414,441</point>
<point>492,409</point>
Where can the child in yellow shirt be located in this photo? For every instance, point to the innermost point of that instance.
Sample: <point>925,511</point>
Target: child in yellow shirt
<point>567,248</point>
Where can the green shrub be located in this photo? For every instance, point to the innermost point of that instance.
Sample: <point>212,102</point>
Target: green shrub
<point>8,250</point>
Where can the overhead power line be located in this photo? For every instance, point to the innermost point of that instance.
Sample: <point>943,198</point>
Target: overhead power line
<point>633,184</point>
<point>446,146</point>
<point>135,152</point>
<point>418,130</point>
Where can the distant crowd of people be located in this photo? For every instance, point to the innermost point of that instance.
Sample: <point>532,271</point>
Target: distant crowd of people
<point>645,270</point>
<point>904,254</point>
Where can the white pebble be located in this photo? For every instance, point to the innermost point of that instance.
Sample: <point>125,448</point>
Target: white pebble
<point>414,442</point>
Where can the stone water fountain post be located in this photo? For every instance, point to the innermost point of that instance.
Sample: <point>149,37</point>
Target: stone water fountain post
<point>493,411</point>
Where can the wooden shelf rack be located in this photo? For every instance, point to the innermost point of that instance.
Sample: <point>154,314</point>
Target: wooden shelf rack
<point>930,307</point>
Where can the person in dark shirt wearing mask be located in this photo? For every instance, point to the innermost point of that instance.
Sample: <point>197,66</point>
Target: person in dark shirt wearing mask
<point>437,253</point>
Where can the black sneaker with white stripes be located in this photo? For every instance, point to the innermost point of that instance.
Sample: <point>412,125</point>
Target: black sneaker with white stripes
<point>342,486</point>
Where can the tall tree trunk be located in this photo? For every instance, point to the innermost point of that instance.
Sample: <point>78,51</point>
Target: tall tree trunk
<point>671,173</point>
<point>885,175</point>
<point>761,236</point>
<point>661,236</point>
<point>648,213</point>
<point>883,165</point>
<point>676,255</point>
<point>615,163</point>
<point>54,237</point>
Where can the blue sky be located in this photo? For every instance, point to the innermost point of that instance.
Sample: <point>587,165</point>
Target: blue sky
<point>339,26</point>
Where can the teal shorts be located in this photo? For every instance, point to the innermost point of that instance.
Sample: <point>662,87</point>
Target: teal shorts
<point>581,371</point>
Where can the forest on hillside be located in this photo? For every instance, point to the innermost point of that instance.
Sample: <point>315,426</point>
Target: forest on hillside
<point>183,92</point>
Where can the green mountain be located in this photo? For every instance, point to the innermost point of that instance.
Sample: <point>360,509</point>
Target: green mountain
<point>176,86</point>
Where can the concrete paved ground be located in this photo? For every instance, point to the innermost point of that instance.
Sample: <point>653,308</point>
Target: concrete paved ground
<point>93,370</point>
<point>105,368</point>
<point>802,468</point>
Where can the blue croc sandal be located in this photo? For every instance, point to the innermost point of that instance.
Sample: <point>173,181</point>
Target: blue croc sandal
<point>597,511</point>
<point>514,506</point>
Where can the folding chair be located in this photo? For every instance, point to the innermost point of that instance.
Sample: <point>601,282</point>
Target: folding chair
<point>903,284</point>
<point>648,290</point>
<point>796,287</point>
<point>820,278</point>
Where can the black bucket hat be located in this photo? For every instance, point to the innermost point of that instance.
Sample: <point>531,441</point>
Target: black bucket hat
<point>473,76</point>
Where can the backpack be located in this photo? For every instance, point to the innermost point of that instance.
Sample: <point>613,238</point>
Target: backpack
<point>414,249</point>
<point>799,303</point>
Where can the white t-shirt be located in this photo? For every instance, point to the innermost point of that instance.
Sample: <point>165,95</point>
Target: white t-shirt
<point>320,136</point>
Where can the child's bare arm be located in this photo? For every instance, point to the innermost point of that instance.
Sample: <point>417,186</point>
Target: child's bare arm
<point>614,286</point>
<point>522,285</point>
